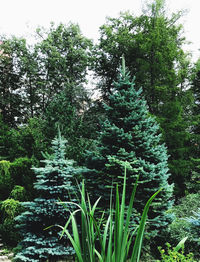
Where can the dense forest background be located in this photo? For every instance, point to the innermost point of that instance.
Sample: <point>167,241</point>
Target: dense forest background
<point>65,80</point>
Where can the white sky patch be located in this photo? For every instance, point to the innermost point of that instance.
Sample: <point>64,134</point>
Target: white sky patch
<point>21,17</point>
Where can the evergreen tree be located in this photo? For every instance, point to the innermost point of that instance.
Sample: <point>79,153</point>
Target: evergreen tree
<point>174,125</point>
<point>193,184</point>
<point>196,109</point>
<point>153,47</point>
<point>131,134</point>
<point>54,181</point>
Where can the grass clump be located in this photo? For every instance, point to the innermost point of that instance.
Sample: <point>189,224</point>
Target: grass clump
<point>111,241</point>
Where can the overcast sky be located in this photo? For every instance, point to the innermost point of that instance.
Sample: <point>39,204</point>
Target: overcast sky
<point>21,17</point>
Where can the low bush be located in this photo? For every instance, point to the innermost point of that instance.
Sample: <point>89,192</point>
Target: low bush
<point>194,227</point>
<point>180,227</point>
<point>6,181</point>
<point>23,175</point>
<point>174,255</point>
<point>9,209</point>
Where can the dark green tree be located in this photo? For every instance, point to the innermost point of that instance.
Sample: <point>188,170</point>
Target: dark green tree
<point>63,111</point>
<point>152,45</point>
<point>175,133</point>
<point>195,128</point>
<point>43,86</point>
<point>28,64</point>
<point>6,181</point>
<point>10,84</point>
<point>64,60</point>
<point>130,134</point>
<point>54,181</point>
<point>193,184</point>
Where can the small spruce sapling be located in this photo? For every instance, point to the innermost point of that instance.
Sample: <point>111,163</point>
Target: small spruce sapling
<point>55,181</point>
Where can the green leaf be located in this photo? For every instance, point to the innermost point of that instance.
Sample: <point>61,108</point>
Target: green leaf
<point>180,244</point>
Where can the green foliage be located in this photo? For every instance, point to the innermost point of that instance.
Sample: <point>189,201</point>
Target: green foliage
<point>10,83</point>
<point>194,227</point>
<point>193,184</point>
<point>18,193</point>
<point>152,45</point>
<point>69,116</point>
<point>9,234</point>
<point>50,83</point>
<point>186,205</point>
<point>67,52</point>
<point>22,175</point>
<point>178,143</point>
<point>38,72</point>
<point>44,85</point>
<point>173,255</point>
<point>56,180</point>
<point>9,209</point>
<point>195,110</point>
<point>65,55</point>
<point>31,139</point>
<point>10,206</point>
<point>114,238</point>
<point>25,141</point>
<point>130,134</point>
<point>6,181</point>
<point>180,225</point>
<point>3,138</point>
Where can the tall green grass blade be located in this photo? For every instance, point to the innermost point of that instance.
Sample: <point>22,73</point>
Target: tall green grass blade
<point>100,259</point>
<point>121,219</point>
<point>138,241</point>
<point>125,244</point>
<point>75,245</point>
<point>84,223</point>
<point>117,223</point>
<point>75,232</point>
<point>105,234</point>
<point>180,244</point>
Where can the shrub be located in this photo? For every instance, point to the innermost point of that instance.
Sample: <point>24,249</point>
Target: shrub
<point>9,208</point>
<point>23,175</point>
<point>18,193</point>
<point>194,227</point>
<point>9,234</point>
<point>6,181</point>
<point>180,225</point>
<point>174,255</point>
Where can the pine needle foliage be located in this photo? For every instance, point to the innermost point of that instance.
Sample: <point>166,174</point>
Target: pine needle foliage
<point>131,134</point>
<point>55,181</point>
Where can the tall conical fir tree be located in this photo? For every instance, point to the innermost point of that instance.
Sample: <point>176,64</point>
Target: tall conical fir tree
<point>56,180</point>
<point>130,134</point>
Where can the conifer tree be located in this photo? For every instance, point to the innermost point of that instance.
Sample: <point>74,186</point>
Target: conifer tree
<point>56,180</point>
<point>130,134</point>
<point>152,44</point>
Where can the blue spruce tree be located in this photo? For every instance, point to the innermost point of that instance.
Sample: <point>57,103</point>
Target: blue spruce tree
<point>130,134</point>
<point>56,180</point>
